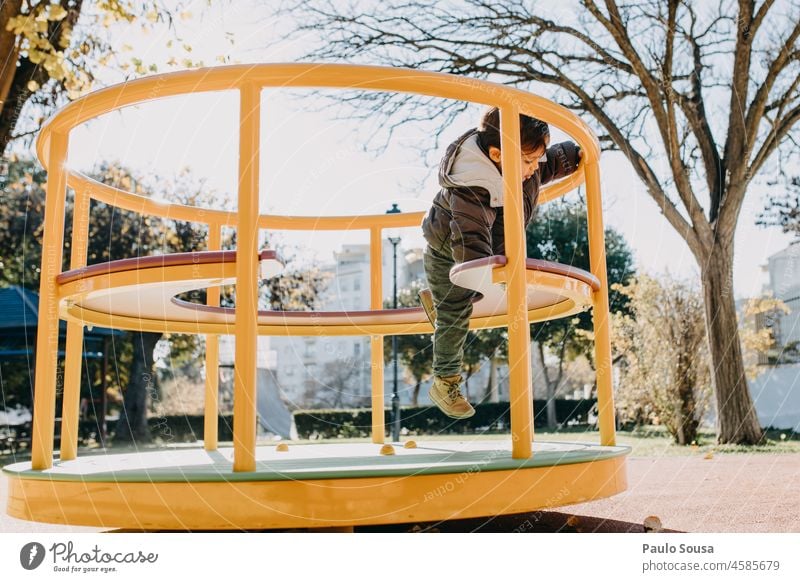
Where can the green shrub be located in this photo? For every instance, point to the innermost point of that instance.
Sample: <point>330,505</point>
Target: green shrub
<point>418,420</point>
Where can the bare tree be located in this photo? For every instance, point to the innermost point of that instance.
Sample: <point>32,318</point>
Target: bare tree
<point>716,83</point>
<point>336,387</point>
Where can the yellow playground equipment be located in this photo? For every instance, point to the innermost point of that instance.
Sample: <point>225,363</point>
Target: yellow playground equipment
<point>308,485</point>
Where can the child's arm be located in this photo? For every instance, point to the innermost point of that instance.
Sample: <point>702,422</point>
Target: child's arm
<point>562,160</point>
<point>471,225</point>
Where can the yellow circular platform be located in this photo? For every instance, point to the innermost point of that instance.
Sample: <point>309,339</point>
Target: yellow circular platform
<point>313,485</point>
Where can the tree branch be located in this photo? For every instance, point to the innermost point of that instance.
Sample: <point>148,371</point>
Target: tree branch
<point>735,144</point>
<point>640,165</point>
<point>693,108</point>
<point>756,111</point>
<point>760,15</point>
<point>780,130</point>
<point>658,91</point>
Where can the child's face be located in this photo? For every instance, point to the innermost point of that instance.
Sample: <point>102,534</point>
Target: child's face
<point>530,159</point>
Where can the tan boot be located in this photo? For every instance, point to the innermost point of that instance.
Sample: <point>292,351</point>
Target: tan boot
<point>446,394</point>
<point>426,300</point>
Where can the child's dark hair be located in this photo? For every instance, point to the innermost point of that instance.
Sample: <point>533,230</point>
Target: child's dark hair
<point>532,131</point>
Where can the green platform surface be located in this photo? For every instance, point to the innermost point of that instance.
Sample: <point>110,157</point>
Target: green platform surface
<point>313,461</point>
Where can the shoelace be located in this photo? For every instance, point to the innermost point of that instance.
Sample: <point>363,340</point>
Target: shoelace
<point>453,392</point>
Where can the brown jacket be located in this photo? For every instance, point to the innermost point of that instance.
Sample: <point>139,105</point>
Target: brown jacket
<point>468,210</point>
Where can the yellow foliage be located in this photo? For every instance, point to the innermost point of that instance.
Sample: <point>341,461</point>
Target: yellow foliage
<point>68,60</point>
<point>764,304</point>
<point>757,338</point>
<point>663,352</point>
<point>56,12</point>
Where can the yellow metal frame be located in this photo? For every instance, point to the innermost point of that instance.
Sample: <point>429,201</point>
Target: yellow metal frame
<point>249,80</point>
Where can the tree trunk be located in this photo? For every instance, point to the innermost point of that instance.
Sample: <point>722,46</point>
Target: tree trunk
<point>492,389</point>
<point>552,418</point>
<point>550,389</point>
<point>415,395</point>
<point>687,421</point>
<point>132,423</point>
<point>737,422</point>
<point>9,48</point>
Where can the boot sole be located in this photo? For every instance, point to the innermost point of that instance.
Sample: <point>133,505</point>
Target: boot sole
<point>454,416</point>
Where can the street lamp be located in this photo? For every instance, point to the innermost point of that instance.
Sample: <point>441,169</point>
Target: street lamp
<point>395,240</point>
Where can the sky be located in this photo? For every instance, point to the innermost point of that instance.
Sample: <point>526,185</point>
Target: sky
<point>313,163</point>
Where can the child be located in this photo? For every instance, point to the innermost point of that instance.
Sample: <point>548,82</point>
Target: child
<point>466,223</point>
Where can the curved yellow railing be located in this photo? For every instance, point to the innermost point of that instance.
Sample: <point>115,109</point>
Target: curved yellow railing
<point>248,81</point>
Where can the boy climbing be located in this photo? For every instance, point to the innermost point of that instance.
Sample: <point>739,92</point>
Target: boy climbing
<point>466,223</point>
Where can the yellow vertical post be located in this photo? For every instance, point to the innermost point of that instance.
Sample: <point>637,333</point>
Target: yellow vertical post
<point>74,345</point>
<point>519,339</point>
<point>244,388</point>
<point>600,306</point>
<point>44,405</point>
<point>210,422</point>
<point>376,341</point>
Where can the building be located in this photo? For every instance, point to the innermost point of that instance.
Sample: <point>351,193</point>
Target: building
<point>335,371</point>
<point>784,284</point>
<point>776,391</point>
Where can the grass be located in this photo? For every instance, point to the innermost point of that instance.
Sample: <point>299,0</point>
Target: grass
<point>655,441</point>
<point>648,441</point>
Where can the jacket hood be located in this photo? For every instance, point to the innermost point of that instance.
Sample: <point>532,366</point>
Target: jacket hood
<point>466,165</point>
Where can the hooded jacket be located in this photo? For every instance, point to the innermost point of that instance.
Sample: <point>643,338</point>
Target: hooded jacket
<point>468,210</point>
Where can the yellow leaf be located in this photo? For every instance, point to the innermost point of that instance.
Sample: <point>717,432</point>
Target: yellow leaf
<point>57,12</point>
<point>33,86</point>
<point>12,23</point>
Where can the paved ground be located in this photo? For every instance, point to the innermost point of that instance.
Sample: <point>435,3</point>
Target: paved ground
<point>726,493</point>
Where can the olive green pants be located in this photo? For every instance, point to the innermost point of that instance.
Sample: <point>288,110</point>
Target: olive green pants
<point>453,310</point>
